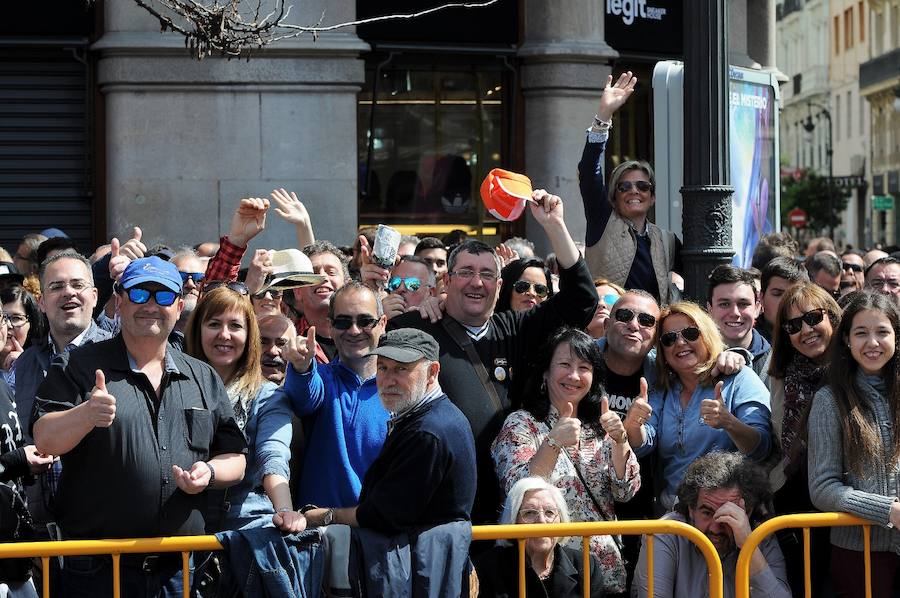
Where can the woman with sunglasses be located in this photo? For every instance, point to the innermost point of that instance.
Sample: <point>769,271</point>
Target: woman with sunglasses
<point>854,443</point>
<point>622,244</point>
<point>692,412</point>
<point>267,303</point>
<point>551,569</point>
<point>609,292</point>
<point>567,434</point>
<point>223,332</point>
<point>25,323</point>
<point>526,284</point>
<point>804,327</point>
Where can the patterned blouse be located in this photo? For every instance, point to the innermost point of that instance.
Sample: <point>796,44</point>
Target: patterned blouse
<point>520,439</point>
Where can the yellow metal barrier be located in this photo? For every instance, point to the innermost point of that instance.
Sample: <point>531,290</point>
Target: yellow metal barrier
<point>116,548</point>
<point>187,544</point>
<point>804,521</point>
<point>605,528</point>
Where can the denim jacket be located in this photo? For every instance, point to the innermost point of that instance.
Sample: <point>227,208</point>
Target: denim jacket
<point>268,432</point>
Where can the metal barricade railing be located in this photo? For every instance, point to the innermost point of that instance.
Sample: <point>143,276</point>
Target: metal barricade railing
<point>187,544</point>
<point>46,550</point>
<point>804,521</point>
<point>523,531</point>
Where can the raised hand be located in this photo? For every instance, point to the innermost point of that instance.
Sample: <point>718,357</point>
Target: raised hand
<point>259,270</point>
<point>248,221</point>
<point>640,411</point>
<point>713,412</point>
<point>194,481</point>
<point>567,430</point>
<point>301,351</point>
<point>372,275</point>
<point>101,406</point>
<point>615,95</point>
<point>289,207</point>
<point>506,254</point>
<point>611,422</point>
<point>117,260</point>
<point>546,209</point>
<point>133,249</point>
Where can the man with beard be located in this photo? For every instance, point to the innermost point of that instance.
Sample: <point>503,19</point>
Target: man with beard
<point>275,333</point>
<point>723,495</point>
<point>344,421</point>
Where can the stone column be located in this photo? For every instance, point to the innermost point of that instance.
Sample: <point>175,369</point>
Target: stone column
<point>737,35</point>
<point>187,139</point>
<point>565,65</point>
<point>761,35</point>
<point>706,192</point>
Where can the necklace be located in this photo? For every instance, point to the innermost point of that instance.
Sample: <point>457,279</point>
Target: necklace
<point>543,587</point>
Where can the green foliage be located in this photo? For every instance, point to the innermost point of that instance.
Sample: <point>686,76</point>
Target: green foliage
<point>809,192</point>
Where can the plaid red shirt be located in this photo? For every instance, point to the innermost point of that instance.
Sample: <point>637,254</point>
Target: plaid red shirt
<point>226,263</point>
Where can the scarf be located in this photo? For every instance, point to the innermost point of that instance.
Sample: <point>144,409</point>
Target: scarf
<point>802,380</point>
<point>240,399</point>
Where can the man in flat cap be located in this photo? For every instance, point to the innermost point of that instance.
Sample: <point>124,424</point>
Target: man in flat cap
<point>425,473</point>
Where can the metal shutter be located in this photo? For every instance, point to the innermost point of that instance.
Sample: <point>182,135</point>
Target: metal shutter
<point>45,141</point>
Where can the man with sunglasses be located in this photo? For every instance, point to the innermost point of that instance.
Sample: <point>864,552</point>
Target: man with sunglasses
<point>853,268</point>
<point>192,272</point>
<point>346,422</point>
<point>410,282</point>
<point>143,430</point>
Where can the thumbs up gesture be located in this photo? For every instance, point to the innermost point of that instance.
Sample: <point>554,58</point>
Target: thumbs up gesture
<point>713,412</point>
<point>567,430</point>
<point>640,411</point>
<point>118,261</point>
<point>101,406</point>
<point>612,423</point>
<point>301,351</point>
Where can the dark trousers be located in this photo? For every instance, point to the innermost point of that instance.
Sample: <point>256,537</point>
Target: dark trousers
<point>142,576</point>
<point>848,572</point>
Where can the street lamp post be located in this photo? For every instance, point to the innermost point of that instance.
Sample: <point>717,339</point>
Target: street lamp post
<point>809,126</point>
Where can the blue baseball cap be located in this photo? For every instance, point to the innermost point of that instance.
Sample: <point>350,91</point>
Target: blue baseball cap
<point>151,269</point>
<point>52,233</point>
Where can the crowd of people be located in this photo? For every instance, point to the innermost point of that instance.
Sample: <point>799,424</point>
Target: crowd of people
<point>152,391</point>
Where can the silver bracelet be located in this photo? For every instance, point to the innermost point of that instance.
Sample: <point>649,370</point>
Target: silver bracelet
<point>601,125</point>
<point>284,509</point>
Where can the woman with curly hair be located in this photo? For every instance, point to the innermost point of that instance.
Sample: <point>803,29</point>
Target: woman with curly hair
<point>567,434</point>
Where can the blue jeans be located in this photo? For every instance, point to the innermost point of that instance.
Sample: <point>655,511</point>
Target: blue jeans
<point>142,576</point>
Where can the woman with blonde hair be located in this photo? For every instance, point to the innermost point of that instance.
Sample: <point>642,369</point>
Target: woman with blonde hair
<point>223,332</point>
<point>693,412</point>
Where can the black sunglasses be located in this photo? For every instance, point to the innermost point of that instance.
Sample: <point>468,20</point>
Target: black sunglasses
<point>237,287</point>
<point>345,322</point>
<point>854,267</point>
<point>523,286</point>
<point>812,318</point>
<point>690,334</point>
<point>197,277</point>
<point>275,293</point>
<point>625,186</point>
<point>163,298</point>
<point>625,315</point>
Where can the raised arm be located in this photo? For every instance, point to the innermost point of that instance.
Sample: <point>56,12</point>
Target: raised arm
<point>289,207</point>
<point>248,221</point>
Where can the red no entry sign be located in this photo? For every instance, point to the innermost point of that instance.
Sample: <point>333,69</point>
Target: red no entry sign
<point>797,217</point>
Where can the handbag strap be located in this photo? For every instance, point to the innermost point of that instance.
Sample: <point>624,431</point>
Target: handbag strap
<point>459,336</point>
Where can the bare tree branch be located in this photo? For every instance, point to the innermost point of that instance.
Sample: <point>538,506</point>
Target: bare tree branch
<point>232,28</point>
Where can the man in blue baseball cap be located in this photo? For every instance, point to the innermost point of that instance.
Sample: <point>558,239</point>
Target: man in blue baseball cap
<point>149,425</point>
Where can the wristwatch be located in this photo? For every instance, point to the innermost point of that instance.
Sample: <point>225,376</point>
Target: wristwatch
<point>212,474</point>
<point>328,517</point>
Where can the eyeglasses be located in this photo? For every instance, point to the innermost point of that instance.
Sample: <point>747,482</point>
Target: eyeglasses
<point>197,277</point>
<point>643,186</point>
<point>76,285</point>
<point>535,515</point>
<point>609,299</point>
<point>880,283</point>
<point>854,267</point>
<point>16,320</point>
<point>626,315</point>
<point>362,322</point>
<point>237,287</point>
<point>411,283</point>
<point>523,286</point>
<point>4,319</point>
<point>274,293</point>
<point>466,274</point>
<point>162,297</point>
<point>690,334</point>
<point>812,318</point>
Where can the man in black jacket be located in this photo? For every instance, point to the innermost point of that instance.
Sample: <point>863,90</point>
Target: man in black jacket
<point>485,356</point>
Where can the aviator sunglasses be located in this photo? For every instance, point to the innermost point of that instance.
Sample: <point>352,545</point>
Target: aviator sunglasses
<point>626,315</point>
<point>523,286</point>
<point>625,186</point>
<point>812,318</point>
<point>411,283</point>
<point>690,334</point>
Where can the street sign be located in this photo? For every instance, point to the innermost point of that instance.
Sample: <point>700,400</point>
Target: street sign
<point>797,218</point>
<point>882,202</point>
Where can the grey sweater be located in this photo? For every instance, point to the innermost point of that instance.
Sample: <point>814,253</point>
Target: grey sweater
<point>831,485</point>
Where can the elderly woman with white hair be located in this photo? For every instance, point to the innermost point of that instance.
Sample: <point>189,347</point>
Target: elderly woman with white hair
<point>551,569</point>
